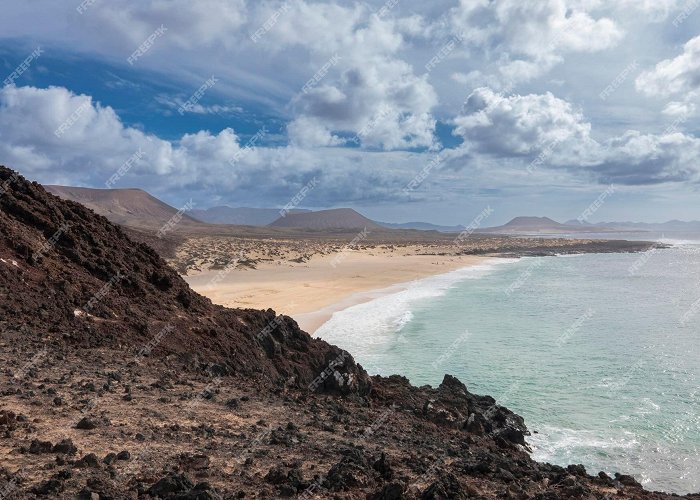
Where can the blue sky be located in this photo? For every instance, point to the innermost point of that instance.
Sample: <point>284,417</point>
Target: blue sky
<point>400,109</point>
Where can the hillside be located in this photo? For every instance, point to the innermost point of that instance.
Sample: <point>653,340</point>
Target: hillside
<point>119,381</point>
<point>239,216</point>
<point>132,207</point>
<point>337,218</point>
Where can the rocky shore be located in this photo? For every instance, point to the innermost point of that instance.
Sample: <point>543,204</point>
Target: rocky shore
<point>118,381</point>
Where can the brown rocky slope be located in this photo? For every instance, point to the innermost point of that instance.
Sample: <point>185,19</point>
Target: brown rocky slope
<point>119,381</point>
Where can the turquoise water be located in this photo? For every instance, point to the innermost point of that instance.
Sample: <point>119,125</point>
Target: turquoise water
<point>599,353</point>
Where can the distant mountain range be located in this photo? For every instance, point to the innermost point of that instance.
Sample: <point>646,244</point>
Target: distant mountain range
<point>541,225</point>
<point>336,218</point>
<point>242,216</point>
<point>137,208</point>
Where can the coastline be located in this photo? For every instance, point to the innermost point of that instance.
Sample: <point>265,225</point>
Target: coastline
<point>312,291</point>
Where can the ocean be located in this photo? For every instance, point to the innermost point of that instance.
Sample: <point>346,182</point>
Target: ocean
<point>599,353</point>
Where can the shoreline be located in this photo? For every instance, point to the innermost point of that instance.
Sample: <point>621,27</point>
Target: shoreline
<point>311,292</point>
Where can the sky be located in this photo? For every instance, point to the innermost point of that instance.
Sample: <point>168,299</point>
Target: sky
<point>402,109</point>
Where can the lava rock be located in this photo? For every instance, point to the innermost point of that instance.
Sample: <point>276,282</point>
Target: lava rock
<point>66,447</point>
<point>86,423</point>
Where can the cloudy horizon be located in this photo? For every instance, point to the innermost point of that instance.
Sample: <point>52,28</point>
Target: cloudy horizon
<point>401,110</point>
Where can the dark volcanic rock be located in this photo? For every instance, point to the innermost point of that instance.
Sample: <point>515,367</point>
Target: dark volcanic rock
<point>86,423</point>
<point>170,484</point>
<point>37,447</point>
<point>94,273</point>
<point>66,446</point>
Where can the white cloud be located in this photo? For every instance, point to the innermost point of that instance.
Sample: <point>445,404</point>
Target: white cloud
<point>518,125</point>
<point>546,127</point>
<point>531,36</point>
<point>189,24</point>
<point>674,76</point>
<point>197,165</point>
<point>309,132</point>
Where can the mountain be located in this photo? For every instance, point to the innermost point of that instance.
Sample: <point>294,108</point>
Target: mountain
<point>337,218</point>
<point>541,225</point>
<point>422,226</point>
<point>239,216</point>
<point>131,207</point>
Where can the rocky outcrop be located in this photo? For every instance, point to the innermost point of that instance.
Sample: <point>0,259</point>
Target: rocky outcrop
<point>69,276</point>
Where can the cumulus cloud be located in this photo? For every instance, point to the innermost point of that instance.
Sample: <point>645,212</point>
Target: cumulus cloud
<point>377,97</point>
<point>94,143</point>
<point>637,159</point>
<point>309,132</point>
<point>674,76</point>
<point>518,125</point>
<point>532,35</point>
<point>548,129</point>
<point>366,76</point>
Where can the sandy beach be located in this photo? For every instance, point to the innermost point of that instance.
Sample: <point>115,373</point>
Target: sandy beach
<point>312,291</point>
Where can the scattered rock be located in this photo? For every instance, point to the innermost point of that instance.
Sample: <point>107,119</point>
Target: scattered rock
<point>36,447</point>
<point>86,423</point>
<point>66,447</point>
